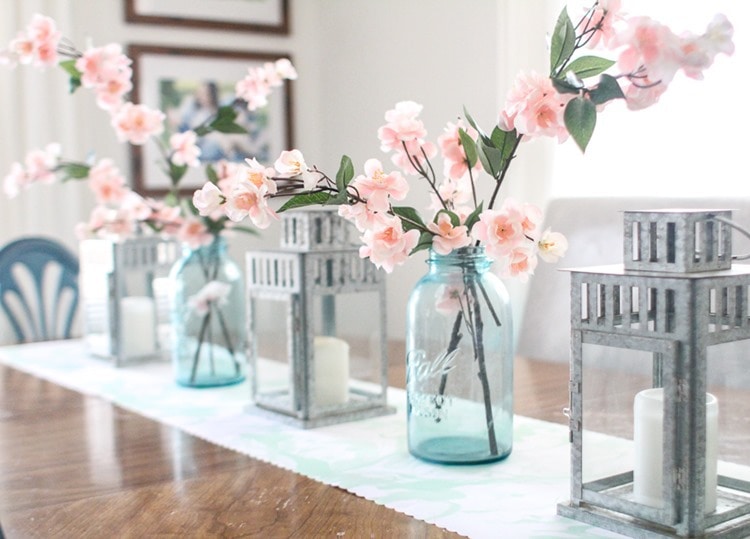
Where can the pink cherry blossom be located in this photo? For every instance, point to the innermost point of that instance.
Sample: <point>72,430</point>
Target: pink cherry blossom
<point>389,246</point>
<point>259,175</point>
<point>15,180</point>
<point>404,134</point>
<point>166,218</point>
<point>448,237</point>
<point>448,300</point>
<point>208,199</point>
<point>456,193</point>
<point>377,186</point>
<point>137,123</point>
<point>402,126</point>
<point>194,233</point>
<point>107,70</point>
<point>185,150</point>
<point>552,246</point>
<point>605,14</point>
<point>285,69</point>
<point>452,150</point>
<point>290,163</point>
<point>501,231</point>
<point>110,95</point>
<point>135,207</point>
<point>41,164</point>
<point>643,93</point>
<point>256,86</point>
<point>362,217</point>
<point>213,292</point>
<point>649,48</point>
<point>699,52</point>
<point>23,48</point>
<point>38,45</point>
<point>107,183</point>
<point>521,263</point>
<point>248,200</point>
<point>534,108</point>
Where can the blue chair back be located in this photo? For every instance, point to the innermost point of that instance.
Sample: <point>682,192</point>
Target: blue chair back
<point>39,288</point>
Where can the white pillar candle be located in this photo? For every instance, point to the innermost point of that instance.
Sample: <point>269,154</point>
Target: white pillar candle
<point>331,371</point>
<point>137,326</point>
<point>648,436</point>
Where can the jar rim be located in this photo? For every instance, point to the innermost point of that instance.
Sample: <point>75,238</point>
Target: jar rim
<point>475,254</point>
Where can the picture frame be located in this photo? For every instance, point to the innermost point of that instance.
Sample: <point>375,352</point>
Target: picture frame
<point>187,84</point>
<point>270,16</point>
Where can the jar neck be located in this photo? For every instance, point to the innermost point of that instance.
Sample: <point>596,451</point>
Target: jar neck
<point>217,247</point>
<point>463,259</point>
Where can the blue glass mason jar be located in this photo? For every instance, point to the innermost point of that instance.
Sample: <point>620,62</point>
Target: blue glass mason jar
<point>208,317</point>
<point>459,361</point>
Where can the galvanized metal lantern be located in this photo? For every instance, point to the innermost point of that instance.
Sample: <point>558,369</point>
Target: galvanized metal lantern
<point>676,295</point>
<point>316,315</point>
<point>125,298</point>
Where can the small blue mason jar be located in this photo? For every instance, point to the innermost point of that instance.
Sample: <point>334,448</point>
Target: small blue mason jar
<point>208,317</point>
<point>459,361</point>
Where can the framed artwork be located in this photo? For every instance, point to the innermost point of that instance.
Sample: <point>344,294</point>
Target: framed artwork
<point>188,85</point>
<point>243,15</point>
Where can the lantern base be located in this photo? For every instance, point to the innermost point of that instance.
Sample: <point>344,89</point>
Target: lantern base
<point>333,417</point>
<point>629,526</point>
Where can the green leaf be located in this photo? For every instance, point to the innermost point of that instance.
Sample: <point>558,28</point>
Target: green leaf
<point>425,242</point>
<point>492,159</point>
<point>340,198</point>
<point>225,121</point>
<point>470,147</point>
<point>471,121</point>
<point>607,89</point>
<point>69,66</point>
<point>474,216</point>
<point>316,198</point>
<point>345,173</point>
<point>505,141</point>
<point>176,172</point>
<point>410,219</point>
<point>564,87</point>
<point>589,66</point>
<point>211,174</point>
<point>74,171</point>
<point>580,120</point>
<point>563,42</point>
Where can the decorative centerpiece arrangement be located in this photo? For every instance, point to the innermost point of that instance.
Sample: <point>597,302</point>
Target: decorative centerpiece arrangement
<point>208,313</point>
<point>459,356</point>
<point>676,295</point>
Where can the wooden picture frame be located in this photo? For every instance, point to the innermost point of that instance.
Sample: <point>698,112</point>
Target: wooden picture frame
<point>187,85</point>
<point>271,16</point>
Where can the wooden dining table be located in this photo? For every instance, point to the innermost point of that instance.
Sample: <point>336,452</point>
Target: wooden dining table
<point>56,482</point>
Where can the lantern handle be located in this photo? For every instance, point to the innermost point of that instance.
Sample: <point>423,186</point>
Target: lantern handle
<point>739,229</point>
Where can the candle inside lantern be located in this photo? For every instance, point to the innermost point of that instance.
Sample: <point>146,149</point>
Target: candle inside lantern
<point>648,438</point>
<point>331,371</point>
<point>137,326</point>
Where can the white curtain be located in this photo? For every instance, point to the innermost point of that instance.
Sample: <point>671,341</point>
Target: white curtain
<point>37,110</point>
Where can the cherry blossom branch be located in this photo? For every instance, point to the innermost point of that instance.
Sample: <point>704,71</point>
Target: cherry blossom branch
<point>500,179</point>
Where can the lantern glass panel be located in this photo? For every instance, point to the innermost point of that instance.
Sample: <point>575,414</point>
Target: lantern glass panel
<point>353,319</point>
<point>611,378</point>
<point>270,340</point>
<point>729,381</point>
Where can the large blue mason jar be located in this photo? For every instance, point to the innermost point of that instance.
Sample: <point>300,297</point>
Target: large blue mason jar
<point>459,355</point>
<point>208,317</point>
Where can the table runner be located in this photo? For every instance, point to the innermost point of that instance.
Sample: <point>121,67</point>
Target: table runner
<point>369,458</point>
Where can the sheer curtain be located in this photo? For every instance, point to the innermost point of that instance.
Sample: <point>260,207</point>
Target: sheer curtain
<point>690,143</point>
<point>36,111</point>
